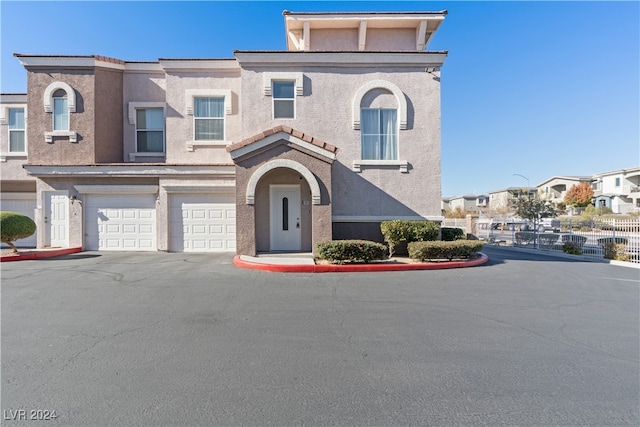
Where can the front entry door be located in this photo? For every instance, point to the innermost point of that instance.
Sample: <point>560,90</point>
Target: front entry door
<point>285,217</point>
<point>56,220</point>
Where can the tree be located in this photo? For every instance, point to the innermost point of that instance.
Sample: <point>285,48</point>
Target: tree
<point>579,195</point>
<point>532,208</point>
<point>15,226</point>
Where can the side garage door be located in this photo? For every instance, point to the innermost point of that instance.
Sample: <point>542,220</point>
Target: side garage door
<point>25,204</point>
<point>120,222</point>
<point>202,222</point>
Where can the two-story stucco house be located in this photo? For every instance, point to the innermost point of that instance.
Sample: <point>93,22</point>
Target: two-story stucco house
<point>555,188</point>
<point>618,190</point>
<point>264,151</point>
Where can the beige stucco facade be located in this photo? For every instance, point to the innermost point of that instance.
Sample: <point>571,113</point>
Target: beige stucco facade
<point>338,63</point>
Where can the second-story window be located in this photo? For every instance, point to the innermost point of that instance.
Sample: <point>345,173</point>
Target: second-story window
<point>379,133</point>
<point>60,110</point>
<point>16,130</point>
<point>284,99</point>
<point>149,130</point>
<point>617,182</point>
<point>208,116</point>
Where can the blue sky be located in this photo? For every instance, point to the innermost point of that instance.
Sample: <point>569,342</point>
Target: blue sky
<point>531,88</point>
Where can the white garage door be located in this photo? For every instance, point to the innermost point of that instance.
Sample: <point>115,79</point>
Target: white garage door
<point>202,222</point>
<point>22,203</point>
<point>120,223</point>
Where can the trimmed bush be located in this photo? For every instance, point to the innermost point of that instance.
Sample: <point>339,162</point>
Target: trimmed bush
<point>450,234</point>
<point>396,231</point>
<point>341,251</point>
<point>572,248</point>
<point>15,226</point>
<point>423,251</point>
<point>615,251</point>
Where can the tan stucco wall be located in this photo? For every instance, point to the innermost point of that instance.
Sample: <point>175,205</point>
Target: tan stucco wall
<point>108,119</point>
<point>325,112</point>
<point>140,87</point>
<point>180,127</point>
<point>61,151</point>
<point>252,221</point>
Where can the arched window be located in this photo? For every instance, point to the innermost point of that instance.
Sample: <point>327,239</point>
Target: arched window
<point>60,110</point>
<point>379,111</point>
<point>60,100</point>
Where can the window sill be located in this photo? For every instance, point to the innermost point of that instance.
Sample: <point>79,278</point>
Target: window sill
<point>134,156</point>
<point>48,136</point>
<point>192,145</point>
<point>402,165</point>
<point>5,156</point>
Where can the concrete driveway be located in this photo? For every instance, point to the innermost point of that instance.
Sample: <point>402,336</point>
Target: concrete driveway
<point>182,340</point>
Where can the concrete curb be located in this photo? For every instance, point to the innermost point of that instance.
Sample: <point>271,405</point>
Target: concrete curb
<point>357,268</point>
<point>568,256</point>
<point>46,253</point>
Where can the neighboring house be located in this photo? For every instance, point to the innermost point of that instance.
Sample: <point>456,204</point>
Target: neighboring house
<point>618,190</point>
<point>17,189</point>
<point>265,151</point>
<point>499,200</point>
<point>467,203</point>
<point>555,188</point>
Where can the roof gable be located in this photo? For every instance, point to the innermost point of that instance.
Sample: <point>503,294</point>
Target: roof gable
<point>277,134</point>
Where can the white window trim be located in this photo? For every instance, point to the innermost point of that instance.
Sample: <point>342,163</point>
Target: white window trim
<point>380,84</point>
<point>298,79</point>
<point>131,110</point>
<point>4,120</point>
<point>51,89</point>
<point>73,136</point>
<point>274,99</point>
<point>48,108</point>
<point>402,165</point>
<point>190,95</point>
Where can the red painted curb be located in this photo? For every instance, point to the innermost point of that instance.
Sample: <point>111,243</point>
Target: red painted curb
<point>39,254</point>
<point>355,268</point>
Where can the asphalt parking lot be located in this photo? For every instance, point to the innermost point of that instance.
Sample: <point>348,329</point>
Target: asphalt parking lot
<point>108,339</point>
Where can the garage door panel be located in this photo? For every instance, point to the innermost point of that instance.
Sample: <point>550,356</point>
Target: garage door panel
<point>120,222</point>
<point>201,222</point>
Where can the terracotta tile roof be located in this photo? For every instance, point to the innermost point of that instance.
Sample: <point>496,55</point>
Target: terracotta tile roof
<point>286,129</point>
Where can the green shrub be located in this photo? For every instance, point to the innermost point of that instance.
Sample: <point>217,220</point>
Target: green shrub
<point>341,251</point>
<point>15,226</point>
<point>615,251</point>
<point>444,250</point>
<point>572,248</point>
<point>396,231</point>
<point>450,234</point>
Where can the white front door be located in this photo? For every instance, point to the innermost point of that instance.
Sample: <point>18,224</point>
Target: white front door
<point>56,208</point>
<point>285,217</point>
